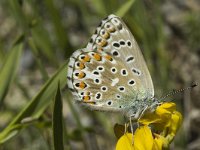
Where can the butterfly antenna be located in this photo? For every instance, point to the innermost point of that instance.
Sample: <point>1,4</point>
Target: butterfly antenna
<point>178,91</point>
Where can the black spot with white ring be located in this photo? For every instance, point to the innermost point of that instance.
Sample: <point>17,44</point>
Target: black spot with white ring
<point>136,72</point>
<point>131,82</point>
<point>104,88</point>
<point>129,59</point>
<point>76,74</point>
<point>115,53</point>
<point>98,96</point>
<point>100,68</point>
<point>77,84</point>
<point>109,102</point>
<point>113,70</point>
<point>122,42</point>
<point>118,96</point>
<point>97,81</point>
<point>129,44</point>
<point>96,73</point>
<point>116,44</point>
<point>121,88</point>
<point>77,64</point>
<point>124,72</point>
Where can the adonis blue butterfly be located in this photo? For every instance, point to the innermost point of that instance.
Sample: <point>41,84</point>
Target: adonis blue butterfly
<point>110,74</point>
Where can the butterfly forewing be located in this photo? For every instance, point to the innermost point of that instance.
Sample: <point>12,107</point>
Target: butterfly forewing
<point>110,73</point>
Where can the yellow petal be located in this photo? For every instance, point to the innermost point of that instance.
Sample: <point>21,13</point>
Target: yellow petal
<point>165,110</point>
<point>168,106</point>
<point>161,115</point>
<point>125,142</point>
<point>157,145</point>
<point>176,121</point>
<point>143,139</point>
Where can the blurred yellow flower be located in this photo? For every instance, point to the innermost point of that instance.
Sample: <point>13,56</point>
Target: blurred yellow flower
<point>165,121</point>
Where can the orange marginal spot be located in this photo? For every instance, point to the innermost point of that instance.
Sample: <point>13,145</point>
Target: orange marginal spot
<point>86,98</point>
<point>106,35</point>
<point>108,57</point>
<point>81,65</point>
<point>81,75</point>
<point>86,58</point>
<point>82,85</point>
<point>103,43</point>
<point>97,57</point>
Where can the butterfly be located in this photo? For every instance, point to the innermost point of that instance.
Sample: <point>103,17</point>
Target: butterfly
<point>110,74</point>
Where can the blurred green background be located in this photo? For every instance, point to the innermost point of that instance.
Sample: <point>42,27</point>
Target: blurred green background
<point>38,37</point>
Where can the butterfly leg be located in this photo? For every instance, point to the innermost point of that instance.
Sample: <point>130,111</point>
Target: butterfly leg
<point>141,114</point>
<point>131,128</point>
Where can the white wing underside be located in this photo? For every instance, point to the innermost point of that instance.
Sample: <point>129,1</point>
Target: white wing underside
<point>126,55</point>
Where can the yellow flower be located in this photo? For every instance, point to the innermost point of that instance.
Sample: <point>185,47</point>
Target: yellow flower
<point>165,121</point>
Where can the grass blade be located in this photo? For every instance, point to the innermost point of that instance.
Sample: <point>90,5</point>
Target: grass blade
<point>35,108</point>
<point>57,123</point>
<point>124,8</point>
<point>9,69</point>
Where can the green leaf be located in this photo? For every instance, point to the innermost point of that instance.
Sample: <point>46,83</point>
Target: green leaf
<point>42,40</point>
<point>99,7</point>
<point>18,14</point>
<point>9,69</point>
<point>57,123</point>
<point>34,109</point>
<point>124,8</point>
